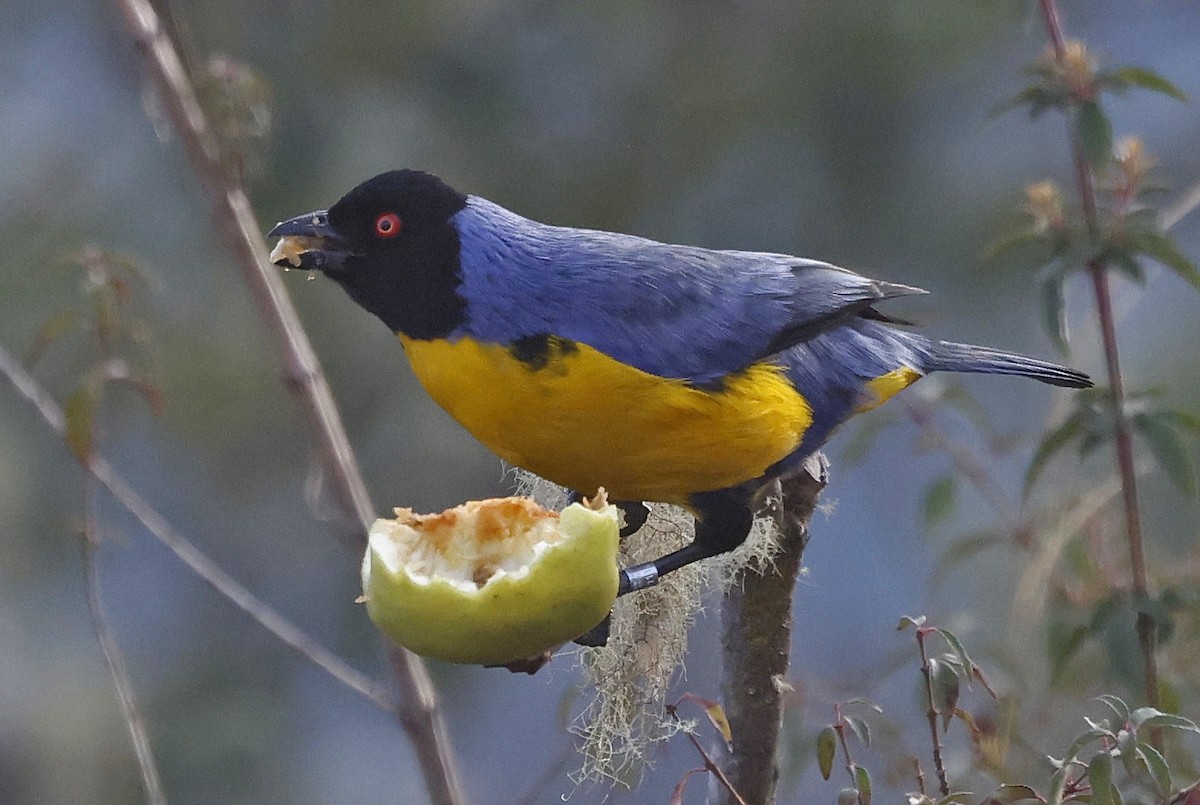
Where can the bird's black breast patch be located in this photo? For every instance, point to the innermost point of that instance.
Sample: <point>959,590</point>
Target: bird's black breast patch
<point>537,351</point>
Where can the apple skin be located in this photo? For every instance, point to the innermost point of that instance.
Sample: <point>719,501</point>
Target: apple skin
<point>567,589</point>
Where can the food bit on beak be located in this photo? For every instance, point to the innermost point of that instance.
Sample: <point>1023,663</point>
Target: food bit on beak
<point>288,252</point>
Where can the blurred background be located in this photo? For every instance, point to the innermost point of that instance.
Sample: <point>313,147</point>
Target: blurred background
<point>856,132</point>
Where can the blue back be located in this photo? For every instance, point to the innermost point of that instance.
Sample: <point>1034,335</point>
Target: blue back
<point>673,311</point>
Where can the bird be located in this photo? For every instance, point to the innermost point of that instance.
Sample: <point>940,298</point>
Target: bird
<point>663,373</point>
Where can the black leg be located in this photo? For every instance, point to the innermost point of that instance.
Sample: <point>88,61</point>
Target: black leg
<point>723,521</point>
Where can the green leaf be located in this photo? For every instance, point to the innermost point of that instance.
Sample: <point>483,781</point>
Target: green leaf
<point>1163,440</point>
<point>1053,444</point>
<point>1015,239</point>
<point>862,779</point>
<point>80,412</point>
<point>1124,262</point>
<point>1116,704</point>
<point>1082,740</point>
<point>826,751</point>
<point>1008,794</point>
<point>1160,772</point>
<point>945,689</point>
<point>1100,774</point>
<point>907,620</point>
<point>964,659</point>
<point>939,500</point>
<point>1149,717</point>
<point>1095,134</point>
<point>860,728</point>
<point>1162,248</point>
<point>1145,79</point>
<point>1054,312</point>
<point>1037,97</point>
<point>1058,784</point>
<point>956,798</point>
<point>866,702</point>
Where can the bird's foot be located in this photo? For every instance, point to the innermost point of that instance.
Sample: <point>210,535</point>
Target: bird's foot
<point>597,636</point>
<point>636,513</point>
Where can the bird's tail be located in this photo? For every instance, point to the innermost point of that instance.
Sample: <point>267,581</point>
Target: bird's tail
<point>944,356</point>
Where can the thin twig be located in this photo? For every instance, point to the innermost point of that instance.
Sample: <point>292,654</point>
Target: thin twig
<point>1098,270</point>
<point>114,658</point>
<point>839,728</point>
<point>242,234</point>
<point>939,765</point>
<point>417,708</point>
<point>201,565</point>
<point>710,765</point>
<point>920,774</point>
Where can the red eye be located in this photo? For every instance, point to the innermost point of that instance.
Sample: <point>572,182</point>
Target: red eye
<point>388,225</point>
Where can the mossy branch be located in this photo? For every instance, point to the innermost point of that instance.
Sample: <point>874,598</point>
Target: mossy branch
<point>756,635</point>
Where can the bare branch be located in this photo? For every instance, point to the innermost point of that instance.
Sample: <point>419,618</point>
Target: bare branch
<point>201,565</point>
<point>1098,270</point>
<point>417,710</point>
<point>723,783</point>
<point>756,634</point>
<point>115,659</point>
<point>931,714</point>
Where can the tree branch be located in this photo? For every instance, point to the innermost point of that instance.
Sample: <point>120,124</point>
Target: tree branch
<point>931,715</point>
<point>418,709</point>
<point>103,473</point>
<point>1098,270</point>
<point>114,658</point>
<point>756,635</point>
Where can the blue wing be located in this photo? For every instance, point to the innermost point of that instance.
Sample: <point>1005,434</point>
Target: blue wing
<point>673,311</point>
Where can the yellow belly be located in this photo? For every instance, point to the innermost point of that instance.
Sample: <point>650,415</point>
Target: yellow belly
<point>583,419</point>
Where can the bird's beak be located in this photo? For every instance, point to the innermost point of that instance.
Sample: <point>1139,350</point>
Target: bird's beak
<point>309,242</point>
